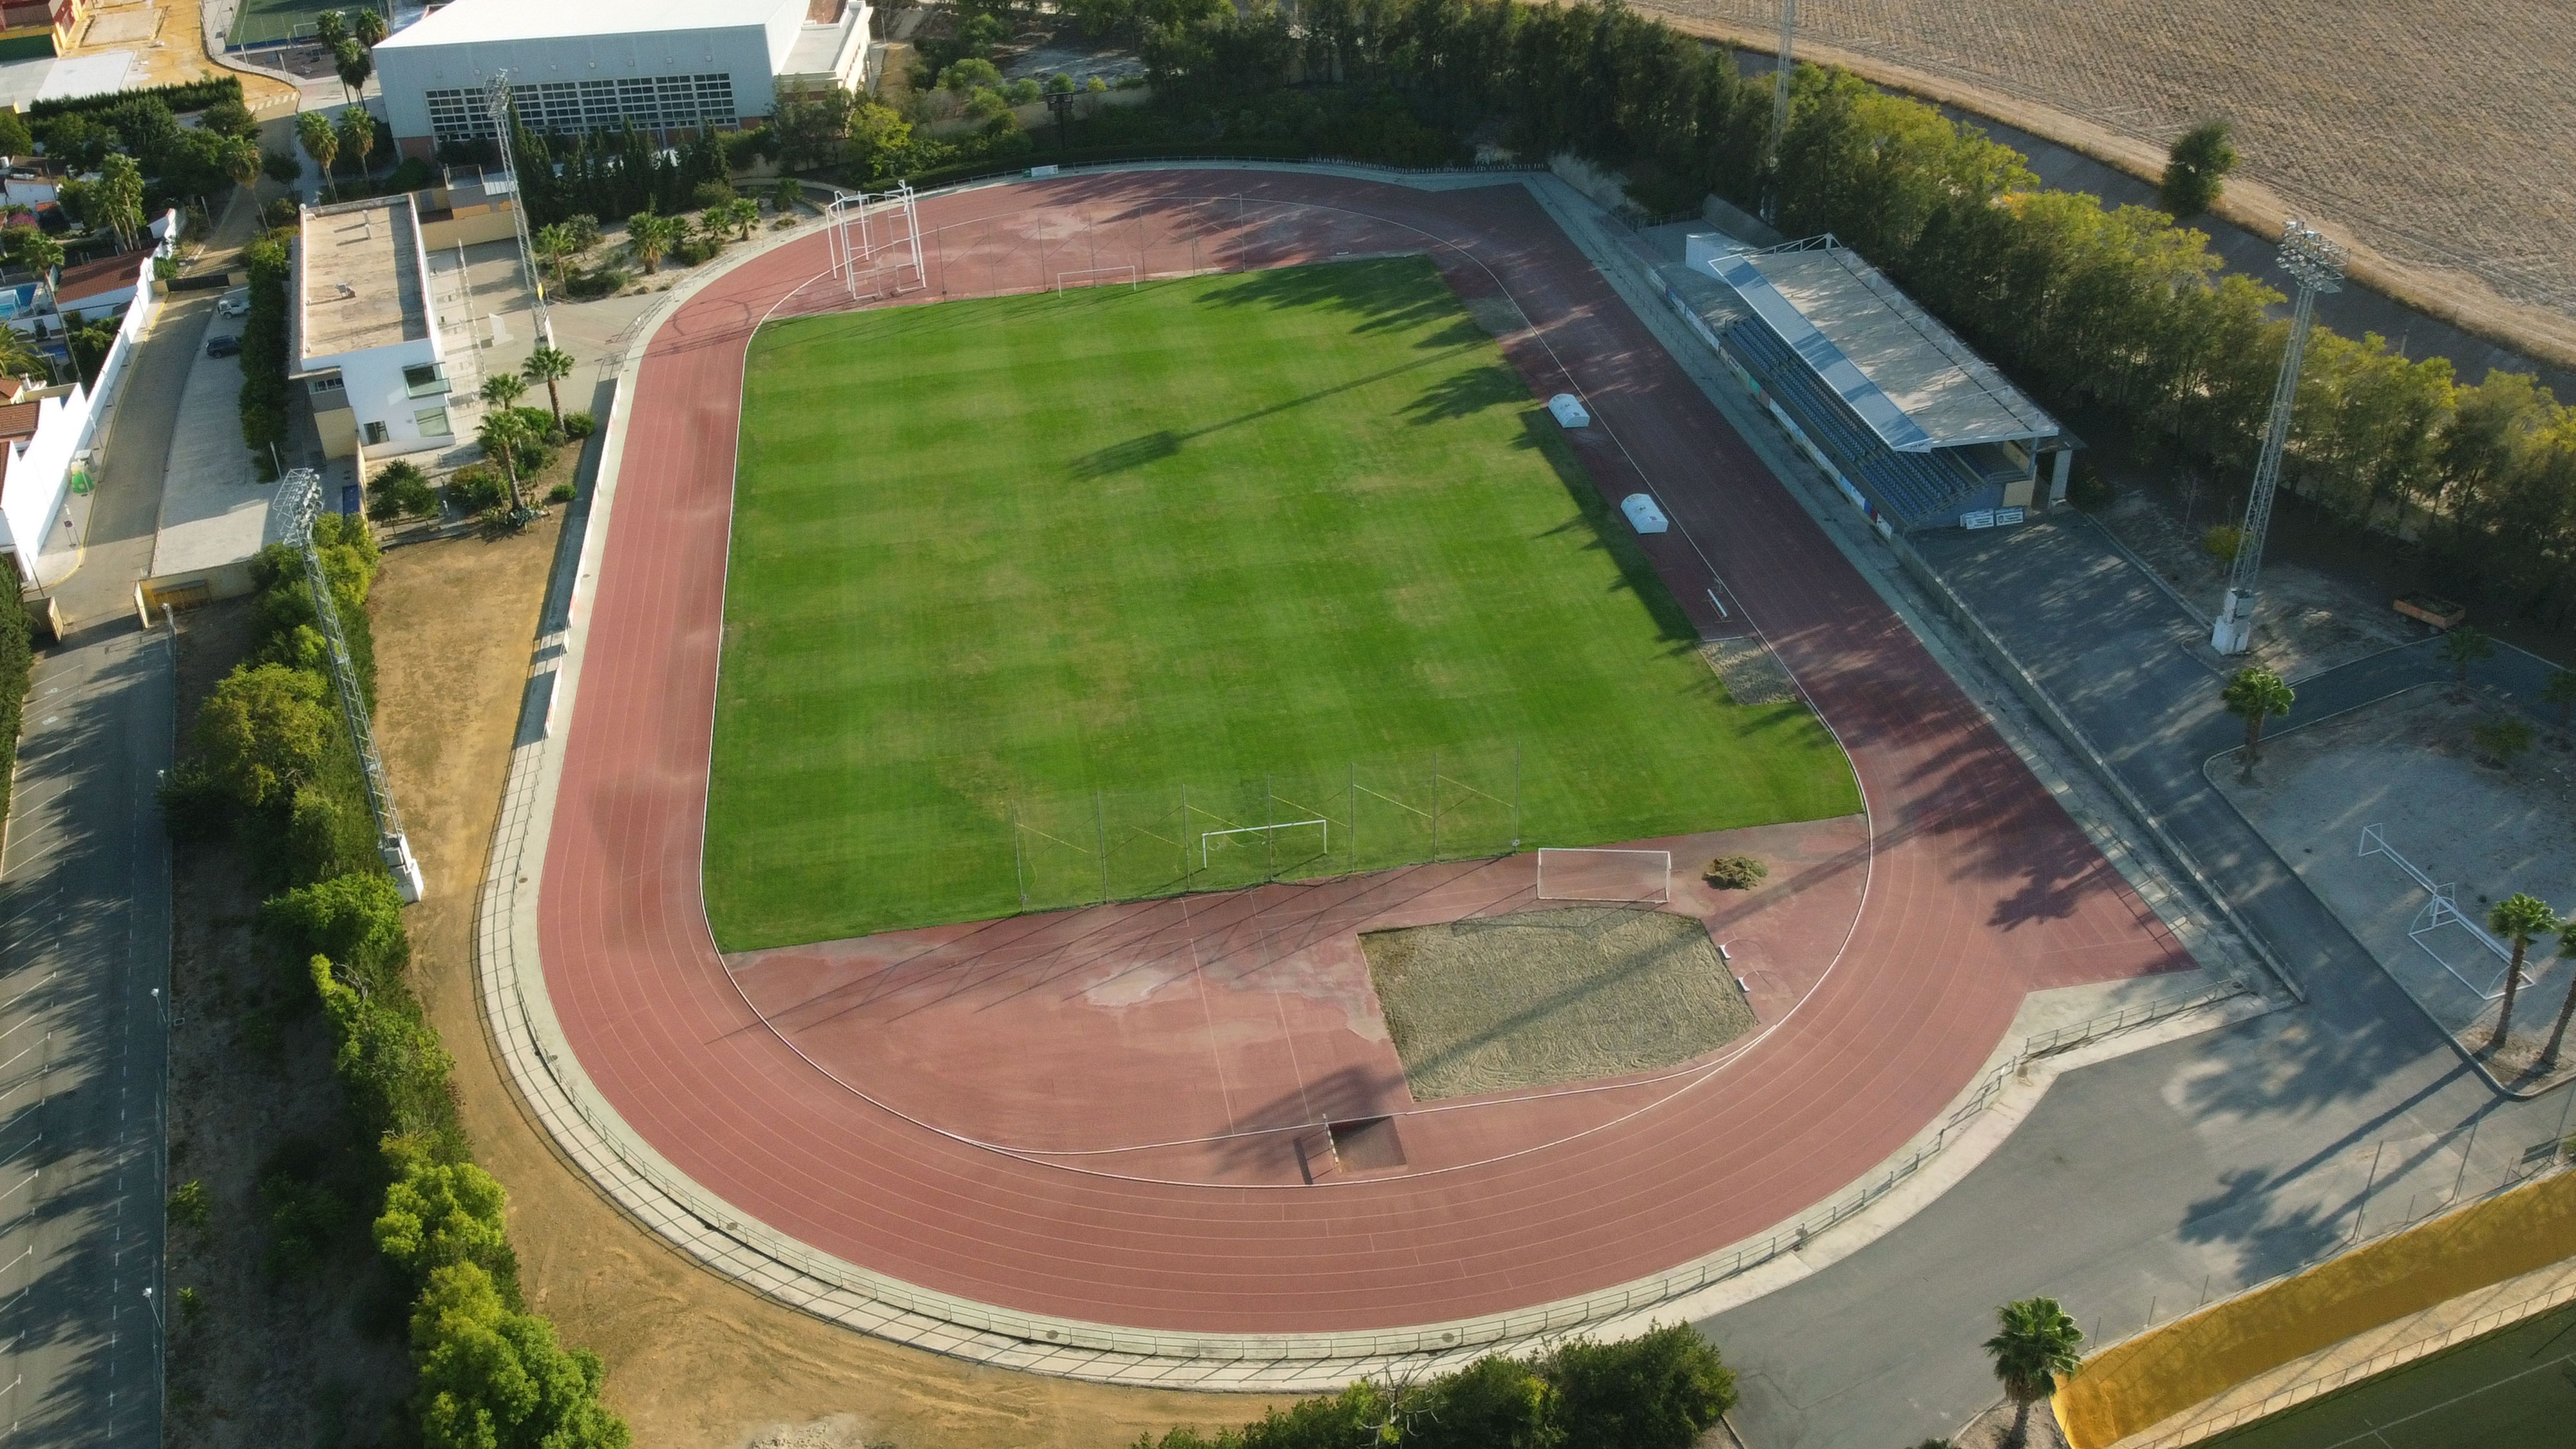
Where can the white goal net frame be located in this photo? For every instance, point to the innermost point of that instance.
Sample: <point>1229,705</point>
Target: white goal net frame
<point>1610,877</point>
<point>876,242</point>
<point>1098,277</point>
<point>2443,909</point>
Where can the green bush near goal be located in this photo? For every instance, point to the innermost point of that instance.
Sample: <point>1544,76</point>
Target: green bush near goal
<point>1135,590</point>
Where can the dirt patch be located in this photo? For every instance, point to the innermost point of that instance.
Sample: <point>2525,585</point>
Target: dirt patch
<point>692,1360</point>
<point>308,1350</point>
<point>1751,673</point>
<point>1499,1002</point>
<point>2407,766</point>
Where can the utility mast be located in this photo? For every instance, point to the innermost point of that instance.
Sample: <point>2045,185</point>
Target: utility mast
<point>2316,265</point>
<point>302,499</point>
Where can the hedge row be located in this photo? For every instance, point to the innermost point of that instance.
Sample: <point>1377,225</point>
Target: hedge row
<point>1661,1391</point>
<point>271,263</point>
<point>193,95</point>
<point>275,770</point>
<point>17,660</point>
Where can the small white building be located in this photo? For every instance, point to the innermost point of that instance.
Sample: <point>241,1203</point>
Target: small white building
<point>361,333</point>
<point>581,66</point>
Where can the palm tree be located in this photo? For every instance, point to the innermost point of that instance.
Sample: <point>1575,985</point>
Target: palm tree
<point>321,142</point>
<point>2520,919</point>
<point>503,390</point>
<point>649,235</point>
<point>744,213</point>
<point>500,433</point>
<point>554,242</point>
<point>358,138</point>
<point>2255,694</point>
<point>369,27</point>
<point>2036,1349</point>
<point>19,357</point>
<point>550,365</point>
<point>2463,647</point>
<point>330,27</point>
<point>2567,1008</point>
<point>2560,691</point>
<point>241,162</point>
<point>354,63</point>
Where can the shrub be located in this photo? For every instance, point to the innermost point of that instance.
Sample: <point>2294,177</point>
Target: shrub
<point>413,174</point>
<point>597,282</point>
<point>263,732</point>
<point>17,658</point>
<point>438,1214</point>
<point>278,211</point>
<point>710,193</point>
<point>489,1375</point>
<point>2087,489</point>
<point>1657,1392</point>
<point>400,490</point>
<point>562,493</point>
<point>2222,542</point>
<point>695,249</point>
<point>579,425</point>
<point>2499,740</point>
<point>1735,872</point>
<point>191,1207</point>
<point>476,489</point>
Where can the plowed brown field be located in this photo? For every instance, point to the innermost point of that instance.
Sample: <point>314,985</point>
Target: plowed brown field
<point>2437,136</point>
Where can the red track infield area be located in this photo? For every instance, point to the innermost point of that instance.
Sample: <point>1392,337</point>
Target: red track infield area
<point>1971,887</point>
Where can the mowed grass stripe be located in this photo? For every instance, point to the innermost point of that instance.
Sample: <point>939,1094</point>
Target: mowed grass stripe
<point>996,556</point>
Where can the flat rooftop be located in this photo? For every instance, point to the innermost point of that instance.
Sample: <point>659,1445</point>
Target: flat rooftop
<point>359,264</point>
<point>475,22</point>
<point>1907,376</point>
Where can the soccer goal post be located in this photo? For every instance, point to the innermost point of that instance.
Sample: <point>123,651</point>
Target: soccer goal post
<point>1261,835</point>
<point>1096,277</point>
<point>1633,877</point>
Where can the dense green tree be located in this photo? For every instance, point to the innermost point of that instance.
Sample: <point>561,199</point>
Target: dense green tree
<point>1659,1391</point>
<point>491,1378</point>
<point>2196,170</point>
<point>438,1214</point>
<point>263,732</point>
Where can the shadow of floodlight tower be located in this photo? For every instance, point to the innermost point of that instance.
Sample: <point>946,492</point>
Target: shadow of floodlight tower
<point>2315,265</point>
<point>1783,68</point>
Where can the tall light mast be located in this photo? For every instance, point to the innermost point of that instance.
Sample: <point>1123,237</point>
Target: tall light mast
<point>1788,67</point>
<point>2315,265</point>
<point>496,95</point>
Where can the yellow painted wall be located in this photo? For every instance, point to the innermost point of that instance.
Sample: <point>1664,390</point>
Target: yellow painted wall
<point>2150,1378</point>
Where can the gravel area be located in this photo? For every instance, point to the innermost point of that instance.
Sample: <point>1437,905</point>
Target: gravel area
<point>1495,1003</point>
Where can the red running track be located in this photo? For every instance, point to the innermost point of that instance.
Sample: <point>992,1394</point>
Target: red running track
<point>1981,891</point>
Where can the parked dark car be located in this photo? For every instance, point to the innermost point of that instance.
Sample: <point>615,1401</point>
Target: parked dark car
<point>228,345</point>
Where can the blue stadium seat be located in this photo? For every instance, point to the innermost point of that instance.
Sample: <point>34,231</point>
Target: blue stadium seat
<point>1919,489</point>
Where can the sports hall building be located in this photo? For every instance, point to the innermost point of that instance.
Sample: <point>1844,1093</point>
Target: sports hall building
<point>580,66</point>
<point>1916,429</point>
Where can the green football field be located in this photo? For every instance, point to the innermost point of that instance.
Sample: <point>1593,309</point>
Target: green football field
<point>2505,1391</point>
<point>262,22</point>
<point>1038,601</point>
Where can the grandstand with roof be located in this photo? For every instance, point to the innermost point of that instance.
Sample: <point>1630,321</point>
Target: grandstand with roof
<point>1918,430</point>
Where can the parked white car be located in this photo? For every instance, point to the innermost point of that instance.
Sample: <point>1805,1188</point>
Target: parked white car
<point>235,303</point>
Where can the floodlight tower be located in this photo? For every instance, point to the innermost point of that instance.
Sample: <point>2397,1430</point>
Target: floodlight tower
<point>1780,75</point>
<point>2316,265</point>
<point>301,499</point>
<point>496,96</point>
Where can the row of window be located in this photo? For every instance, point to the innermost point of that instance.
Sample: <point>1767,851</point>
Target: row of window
<point>574,108</point>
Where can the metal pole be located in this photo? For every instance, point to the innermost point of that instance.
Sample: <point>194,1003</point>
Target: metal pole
<point>2316,265</point>
<point>2366,1185</point>
<point>1780,76</point>
<point>2462,1179</point>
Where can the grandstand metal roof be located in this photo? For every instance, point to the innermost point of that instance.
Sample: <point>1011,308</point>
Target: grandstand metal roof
<point>1916,385</point>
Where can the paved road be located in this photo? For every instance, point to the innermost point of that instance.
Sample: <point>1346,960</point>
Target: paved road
<point>84,892</point>
<point>2142,1184</point>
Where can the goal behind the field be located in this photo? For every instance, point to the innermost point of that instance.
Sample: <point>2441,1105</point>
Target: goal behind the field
<point>1619,877</point>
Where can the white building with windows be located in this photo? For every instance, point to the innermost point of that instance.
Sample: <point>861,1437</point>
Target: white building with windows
<point>362,334</point>
<point>580,66</point>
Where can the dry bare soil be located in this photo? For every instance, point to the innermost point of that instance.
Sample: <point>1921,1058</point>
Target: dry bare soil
<point>1493,1003</point>
<point>692,1360</point>
<point>2439,135</point>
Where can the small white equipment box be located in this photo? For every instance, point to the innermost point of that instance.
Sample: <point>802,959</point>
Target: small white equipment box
<point>1569,410</point>
<point>1643,514</point>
